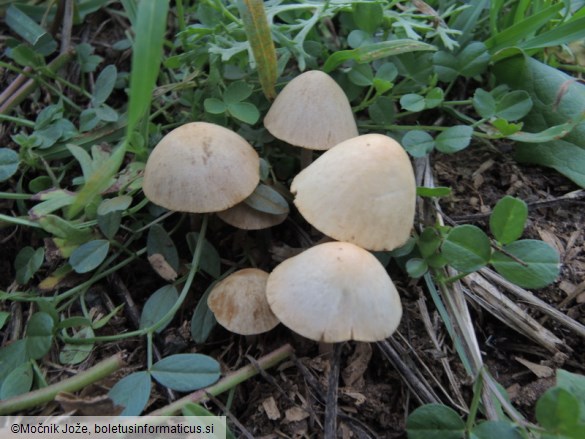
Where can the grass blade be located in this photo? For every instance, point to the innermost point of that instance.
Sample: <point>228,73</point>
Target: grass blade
<point>260,39</point>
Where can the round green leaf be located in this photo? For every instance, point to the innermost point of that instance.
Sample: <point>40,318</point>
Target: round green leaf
<point>266,199</point>
<point>416,267</point>
<point>90,255</point>
<point>454,139</point>
<point>157,306</point>
<point>244,111</point>
<point>39,335</point>
<point>466,248</point>
<point>387,72</point>
<point>484,103</point>
<point>186,372</point>
<point>412,102</point>
<point>542,263</point>
<point>17,382</point>
<point>132,393</point>
<point>473,59</point>
<point>214,106</point>
<point>27,263</point>
<point>508,219</point>
<point>237,92</point>
<point>9,161</point>
<point>434,98</point>
<point>514,105</point>
<point>361,74</point>
<point>418,143</point>
<point>434,421</point>
<point>210,260</point>
<point>104,85</point>
<point>76,353</point>
<point>382,111</point>
<point>368,16</point>
<point>558,410</point>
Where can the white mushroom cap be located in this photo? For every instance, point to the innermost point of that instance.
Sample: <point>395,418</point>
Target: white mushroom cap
<point>361,191</point>
<point>311,111</point>
<point>245,217</point>
<point>335,292</point>
<point>201,167</point>
<point>239,302</point>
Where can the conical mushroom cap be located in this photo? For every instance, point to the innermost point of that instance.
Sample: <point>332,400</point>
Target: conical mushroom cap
<point>335,292</point>
<point>239,302</point>
<point>311,111</point>
<point>201,167</point>
<point>361,191</point>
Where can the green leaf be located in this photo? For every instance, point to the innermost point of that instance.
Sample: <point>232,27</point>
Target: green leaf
<point>514,105</point>
<point>484,103</point>
<point>565,33</point>
<point>24,55</point>
<point>429,242</point>
<point>132,392</point>
<point>439,191</point>
<point>434,421</point>
<point>374,51</point>
<point>361,74</point>
<point>445,65</point>
<point>495,429</point>
<point>78,352</point>
<point>115,204</point>
<point>382,111</point>
<point>203,319</point>
<point>104,84</point>
<point>412,102</point>
<point>466,248</point>
<point>210,260</point>
<point>12,356</point>
<point>30,31</point>
<point>9,162</point>
<point>508,218</point>
<point>214,106</point>
<point>61,228</point>
<point>575,384</point>
<point>434,98</point>
<point>368,16</point>
<point>418,143</point>
<point>27,263</point>
<point>557,99</point>
<point>186,372</point>
<point>542,263</point>
<point>507,128</point>
<point>416,267</point>
<point>4,317</point>
<point>237,92</point>
<point>244,111</point>
<point>89,256</point>
<point>266,199</point>
<point>149,30</point>
<point>39,335</point>
<point>160,242</point>
<point>18,381</point>
<point>454,139</point>
<point>259,36</point>
<point>473,59</point>
<point>157,306</point>
<point>557,410</point>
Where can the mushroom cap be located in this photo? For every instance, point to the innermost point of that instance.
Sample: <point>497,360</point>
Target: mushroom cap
<point>335,292</point>
<point>361,191</point>
<point>311,111</point>
<point>201,167</point>
<point>245,217</point>
<point>239,302</point>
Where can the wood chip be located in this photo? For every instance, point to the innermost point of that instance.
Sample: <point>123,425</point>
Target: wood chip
<point>295,414</point>
<point>271,409</point>
<point>537,369</point>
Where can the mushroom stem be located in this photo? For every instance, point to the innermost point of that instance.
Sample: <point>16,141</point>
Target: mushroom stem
<point>330,426</point>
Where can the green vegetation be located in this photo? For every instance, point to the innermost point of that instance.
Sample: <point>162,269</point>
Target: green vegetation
<point>438,76</point>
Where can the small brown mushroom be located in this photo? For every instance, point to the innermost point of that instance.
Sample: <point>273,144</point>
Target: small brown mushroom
<point>239,302</point>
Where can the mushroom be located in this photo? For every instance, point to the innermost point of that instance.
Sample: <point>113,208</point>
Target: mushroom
<point>201,167</point>
<point>245,217</point>
<point>335,292</point>
<point>313,112</point>
<point>361,191</point>
<point>239,302</point>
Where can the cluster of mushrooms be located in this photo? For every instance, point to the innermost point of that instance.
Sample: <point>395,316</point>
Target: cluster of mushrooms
<point>360,192</point>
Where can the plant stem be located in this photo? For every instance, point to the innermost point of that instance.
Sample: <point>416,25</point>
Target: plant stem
<point>228,382</point>
<point>77,382</point>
